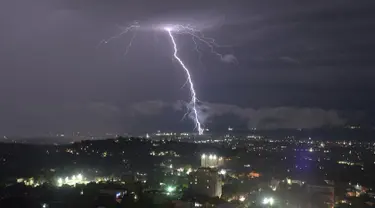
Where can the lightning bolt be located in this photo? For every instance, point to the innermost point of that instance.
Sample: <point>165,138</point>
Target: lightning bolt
<point>130,43</point>
<point>197,50</point>
<point>197,35</point>
<point>198,39</point>
<point>124,31</point>
<point>194,99</point>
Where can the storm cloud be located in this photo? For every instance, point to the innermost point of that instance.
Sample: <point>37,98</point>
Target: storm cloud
<point>298,64</point>
<point>282,117</point>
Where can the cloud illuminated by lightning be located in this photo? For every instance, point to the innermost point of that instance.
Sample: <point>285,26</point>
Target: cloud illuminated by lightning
<point>198,38</point>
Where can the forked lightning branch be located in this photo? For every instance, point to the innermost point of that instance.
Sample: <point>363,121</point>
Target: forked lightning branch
<point>171,30</point>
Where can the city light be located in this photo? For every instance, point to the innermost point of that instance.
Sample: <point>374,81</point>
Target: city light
<point>242,198</point>
<point>171,189</point>
<point>180,169</point>
<point>211,160</point>
<point>196,204</point>
<point>211,157</point>
<point>222,172</point>
<point>73,180</point>
<point>268,201</point>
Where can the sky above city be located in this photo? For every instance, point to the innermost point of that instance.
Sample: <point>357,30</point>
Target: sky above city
<point>287,64</point>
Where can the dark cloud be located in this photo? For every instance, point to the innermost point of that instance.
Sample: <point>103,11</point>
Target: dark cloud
<point>153,107</point>
<point>289,60</point>
<point>263,118</point>
<point>104,109</point>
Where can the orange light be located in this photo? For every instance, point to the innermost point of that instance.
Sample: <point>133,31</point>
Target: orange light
<point>253,175</point>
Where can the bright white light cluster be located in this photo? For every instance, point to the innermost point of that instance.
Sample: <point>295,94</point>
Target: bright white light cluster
<point>222,172</point>
<point>268,201</point>
<point>211,157</point>
<point>74,179</point>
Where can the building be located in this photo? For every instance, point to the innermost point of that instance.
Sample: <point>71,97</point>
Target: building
<point>206,182</point>
<point>211,161</point>
<point>321,196</point>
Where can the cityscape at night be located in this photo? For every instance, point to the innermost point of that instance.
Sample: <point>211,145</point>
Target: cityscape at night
<point>187,104</point>
<point>170,169</point>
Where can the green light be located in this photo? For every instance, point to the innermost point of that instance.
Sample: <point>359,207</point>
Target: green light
<point>171,189</point>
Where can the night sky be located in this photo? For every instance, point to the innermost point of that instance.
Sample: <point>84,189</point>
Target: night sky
<point>301,64</point>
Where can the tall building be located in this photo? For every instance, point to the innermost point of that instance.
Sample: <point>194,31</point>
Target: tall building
<point>206,182</point>
<point>211,161</point>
